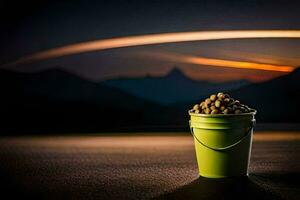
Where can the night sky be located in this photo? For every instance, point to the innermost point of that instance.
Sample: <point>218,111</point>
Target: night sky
<point>33,26</point>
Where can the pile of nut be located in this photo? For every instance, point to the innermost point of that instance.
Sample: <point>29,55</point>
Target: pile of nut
<point>221,104</point>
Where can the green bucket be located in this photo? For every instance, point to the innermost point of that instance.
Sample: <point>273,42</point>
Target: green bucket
<point>222,143</point>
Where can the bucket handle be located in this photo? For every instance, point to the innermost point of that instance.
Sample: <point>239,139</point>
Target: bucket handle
<point>227,147</point>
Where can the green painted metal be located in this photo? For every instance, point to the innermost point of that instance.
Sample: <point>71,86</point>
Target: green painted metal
<point>222,143</point>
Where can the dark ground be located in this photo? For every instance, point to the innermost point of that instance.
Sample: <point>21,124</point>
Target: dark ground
<point>141,167</point>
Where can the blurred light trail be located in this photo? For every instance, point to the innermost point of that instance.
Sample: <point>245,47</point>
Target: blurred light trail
<point>197,60</point>
<point>236,64</point>
<point>161,38</point>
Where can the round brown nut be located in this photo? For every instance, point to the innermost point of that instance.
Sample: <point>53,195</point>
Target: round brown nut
<point>213,97</point>
<point>237,102</point>
<point>218,103</point>
<point>207,101</point>
<point>219,94</point>
<point>207,111</point>
<point>226,111</point>
<point>196,107</point>
<point>237,111</point>
<point>202,103</point>
<point>222,108</point>
<point>230,104</point>
<point>221,104</point>
<point>215,111</point>
<point>226,100</point>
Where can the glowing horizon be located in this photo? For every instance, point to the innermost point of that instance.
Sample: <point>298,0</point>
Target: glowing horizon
<point>163,38</point>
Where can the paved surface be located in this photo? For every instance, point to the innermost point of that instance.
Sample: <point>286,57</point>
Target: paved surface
<point>141,167</point>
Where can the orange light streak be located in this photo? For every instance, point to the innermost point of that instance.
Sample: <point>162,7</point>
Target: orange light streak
<point>236,64</point>
<point>197,60</point>
<point>162,38</point>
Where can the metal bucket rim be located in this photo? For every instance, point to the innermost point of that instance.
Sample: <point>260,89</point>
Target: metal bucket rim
<point>222,115</point>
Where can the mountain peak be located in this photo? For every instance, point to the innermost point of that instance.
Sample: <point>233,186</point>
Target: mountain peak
<point>176,73</point>
<point>296,70</point>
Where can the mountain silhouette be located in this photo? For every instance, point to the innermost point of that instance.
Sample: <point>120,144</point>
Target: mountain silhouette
<point>276,100</point>
<point>177,74</point>
<point>58,84</point>
<point>173,88</point>
<point>57,100</point>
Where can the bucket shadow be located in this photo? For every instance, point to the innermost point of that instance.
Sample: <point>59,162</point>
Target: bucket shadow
<point>228,188</point>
